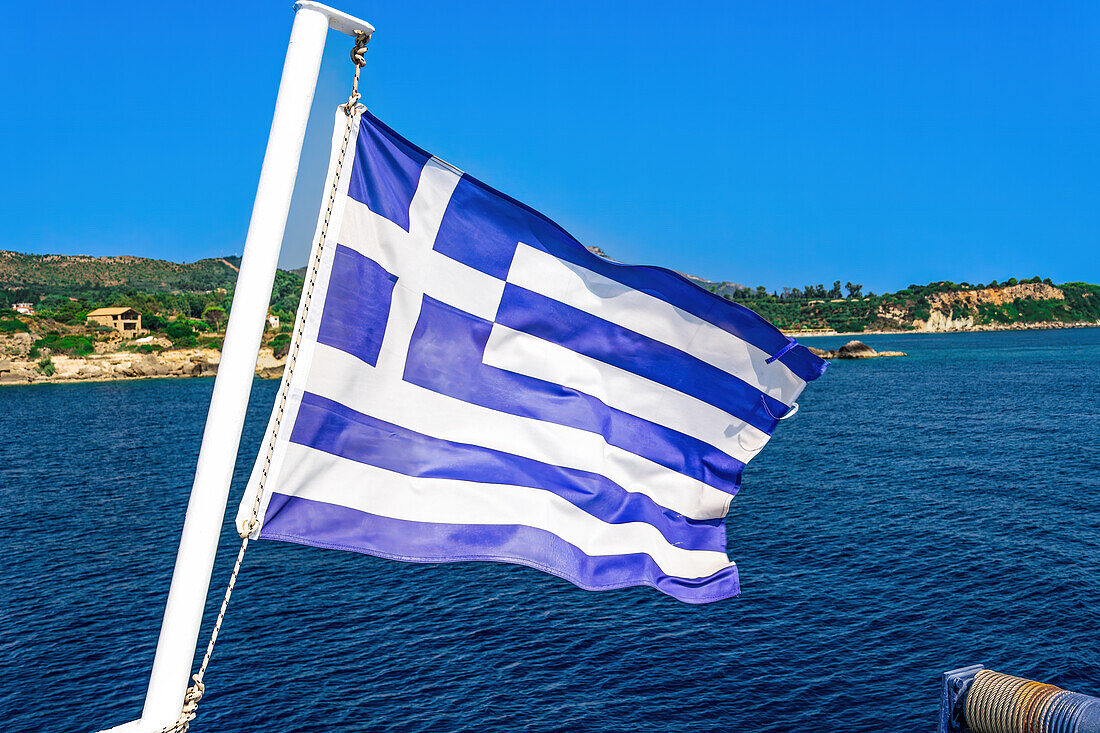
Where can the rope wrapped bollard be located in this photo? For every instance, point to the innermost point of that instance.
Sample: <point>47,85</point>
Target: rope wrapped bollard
<point>983,701</point>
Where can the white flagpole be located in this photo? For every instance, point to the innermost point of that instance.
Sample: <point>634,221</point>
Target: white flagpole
<point>180,627</point>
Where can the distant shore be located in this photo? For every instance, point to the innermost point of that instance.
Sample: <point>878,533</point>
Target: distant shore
<point>116,365</point>
<point>973,329</point>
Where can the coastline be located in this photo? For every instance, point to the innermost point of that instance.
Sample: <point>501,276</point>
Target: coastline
<point>114,366</point>
<point>1054,325</point>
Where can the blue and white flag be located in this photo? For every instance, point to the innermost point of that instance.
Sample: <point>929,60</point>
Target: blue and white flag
<point>474,384</point>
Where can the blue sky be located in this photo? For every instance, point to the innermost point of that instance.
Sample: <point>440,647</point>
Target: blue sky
<point>774,143</point>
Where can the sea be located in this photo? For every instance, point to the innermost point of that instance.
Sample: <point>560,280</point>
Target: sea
<point>918,514</point>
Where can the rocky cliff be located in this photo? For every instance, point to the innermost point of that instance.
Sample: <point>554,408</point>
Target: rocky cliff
<point>957,310</point>
<point>996,296</point>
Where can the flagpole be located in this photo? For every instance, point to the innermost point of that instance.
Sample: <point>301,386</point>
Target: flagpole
<point>198,546</point>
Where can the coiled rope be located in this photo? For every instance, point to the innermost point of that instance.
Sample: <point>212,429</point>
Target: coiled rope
<point>195,692</point>
<point>1001,703</point>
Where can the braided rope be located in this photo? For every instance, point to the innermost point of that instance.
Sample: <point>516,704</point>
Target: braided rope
<point>1001,703</point>
<point>195,692</point>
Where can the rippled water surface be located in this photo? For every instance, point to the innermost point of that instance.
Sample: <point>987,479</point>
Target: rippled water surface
<point>917,515</point>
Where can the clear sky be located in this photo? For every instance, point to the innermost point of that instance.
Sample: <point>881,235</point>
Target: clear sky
<point>773,143</point>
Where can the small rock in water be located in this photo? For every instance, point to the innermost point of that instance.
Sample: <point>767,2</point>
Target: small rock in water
<point>854,350</point>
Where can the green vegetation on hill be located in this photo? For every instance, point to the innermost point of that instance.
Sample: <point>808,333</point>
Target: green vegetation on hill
<point>65,289</point>
<point>63,344</point>
<point>189,303</point>
<point>11,325</point>
<point>138,273</point>
<point>815,307</point>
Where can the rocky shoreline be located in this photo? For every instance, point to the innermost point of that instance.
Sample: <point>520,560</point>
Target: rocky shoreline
<point>110,362</point>
<point>959,326</point>
<point>17,366</point>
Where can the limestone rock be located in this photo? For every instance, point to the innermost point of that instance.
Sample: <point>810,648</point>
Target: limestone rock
<point>853,350</point>
<point>275,372</point>
<point>856,350</point>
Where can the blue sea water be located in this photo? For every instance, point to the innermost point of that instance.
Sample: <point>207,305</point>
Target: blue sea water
<point>918,514</point>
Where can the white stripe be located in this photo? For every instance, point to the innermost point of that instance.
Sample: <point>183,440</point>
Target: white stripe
<point>347,380</point>
<point>320,476</point>
<point>593,293</point>
<point>623,390</point>
<point>423,269</point>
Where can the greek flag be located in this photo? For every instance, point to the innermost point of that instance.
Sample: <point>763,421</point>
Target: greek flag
<point>473,384</point>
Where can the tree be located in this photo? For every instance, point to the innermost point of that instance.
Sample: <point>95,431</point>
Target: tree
<point>215,316</point>
<point>180,333</point>
<point>835,291</point>
<point>855,290</point>
<point>153,321</point>
<point>761,291</point>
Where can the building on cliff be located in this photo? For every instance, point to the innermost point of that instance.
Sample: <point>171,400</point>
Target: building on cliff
<point>126,321</point>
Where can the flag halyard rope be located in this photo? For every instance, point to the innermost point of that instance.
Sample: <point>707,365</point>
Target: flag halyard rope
<point>352,108</point>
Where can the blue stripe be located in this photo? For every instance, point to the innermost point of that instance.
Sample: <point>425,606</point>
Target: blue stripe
<point>445,356</point>
<point>334,428</point>
<point>674,288</point>
<point>385,172</point>
<point>307,522</point>
<point>612,344</point>
<point>357,305</point>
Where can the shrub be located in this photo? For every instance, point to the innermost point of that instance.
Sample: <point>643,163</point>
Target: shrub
<point>153,322</point>
<point>12,325</point>
<point>280,345</point>
<point>71,344</point>
<point>45,365</point>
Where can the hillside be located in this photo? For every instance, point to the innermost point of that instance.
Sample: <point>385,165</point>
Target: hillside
<point>941,306</point>
<point>64,288</point>
<point>25,271</point>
